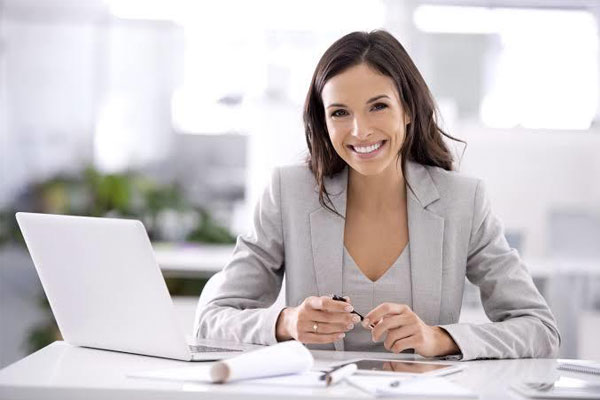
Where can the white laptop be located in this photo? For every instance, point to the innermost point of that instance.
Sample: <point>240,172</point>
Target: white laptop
<point>106,289</point>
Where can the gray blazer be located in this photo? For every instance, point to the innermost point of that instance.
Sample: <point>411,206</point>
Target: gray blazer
<point>452,234</point>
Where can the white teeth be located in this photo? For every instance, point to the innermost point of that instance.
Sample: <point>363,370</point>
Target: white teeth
<point>367,149</point>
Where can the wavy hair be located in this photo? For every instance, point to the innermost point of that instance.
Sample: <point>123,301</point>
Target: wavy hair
<point>378,49</point>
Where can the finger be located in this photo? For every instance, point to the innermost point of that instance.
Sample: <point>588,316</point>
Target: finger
<point>403,344</point>
<point>325,303</point>
<point>324,327</point>
<point>397,334</point>
<point>384,309</point>
<point>308,337</point>
<point>388,323</point>
<point>328,304</point>
<point>330,317</point>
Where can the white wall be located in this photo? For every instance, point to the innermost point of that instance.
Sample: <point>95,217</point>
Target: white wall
<point>530,173</point>
<point>47,69</point>
<point>139,68</point>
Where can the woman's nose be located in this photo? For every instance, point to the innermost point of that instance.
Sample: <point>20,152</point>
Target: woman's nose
<point>360,128</point>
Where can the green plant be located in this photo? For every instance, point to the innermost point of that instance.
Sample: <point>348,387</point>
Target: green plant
<point>209,231</point>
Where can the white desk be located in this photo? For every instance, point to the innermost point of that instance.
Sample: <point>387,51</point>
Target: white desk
<point>60,371</point>
<point>191,260</point>
<point>204,260</point>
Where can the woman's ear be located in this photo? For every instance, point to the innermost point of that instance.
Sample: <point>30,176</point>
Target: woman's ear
<point>406,119</point>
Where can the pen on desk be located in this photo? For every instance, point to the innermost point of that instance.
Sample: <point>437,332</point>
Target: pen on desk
<point>399,382</point>
<point>336,375</point>
<point>325,373</point>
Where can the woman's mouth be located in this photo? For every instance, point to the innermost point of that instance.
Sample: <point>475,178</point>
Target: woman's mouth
<point>368,151</point>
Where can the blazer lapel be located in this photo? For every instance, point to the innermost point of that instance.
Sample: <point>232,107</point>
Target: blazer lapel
<point>426,235</point>
<point>327,237</point>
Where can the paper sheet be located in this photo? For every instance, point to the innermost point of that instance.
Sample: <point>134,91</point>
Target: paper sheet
<point>562,388</point>
<point>418,387</point>
<point>305,379</point>
<point>280,359</point>
<point>194,373</point>
<point>276,360</point>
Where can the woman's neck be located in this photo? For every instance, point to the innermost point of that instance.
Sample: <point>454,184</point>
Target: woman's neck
<point>376,194</point>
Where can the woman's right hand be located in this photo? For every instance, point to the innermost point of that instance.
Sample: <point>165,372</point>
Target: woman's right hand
<point>331,318</point>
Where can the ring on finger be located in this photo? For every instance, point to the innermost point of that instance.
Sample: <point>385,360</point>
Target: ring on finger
<point>315,327</point>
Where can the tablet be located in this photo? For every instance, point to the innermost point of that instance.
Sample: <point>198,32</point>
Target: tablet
<point>403,367</point>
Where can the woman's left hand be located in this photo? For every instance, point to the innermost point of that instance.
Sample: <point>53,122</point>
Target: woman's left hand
<point>403,329</point>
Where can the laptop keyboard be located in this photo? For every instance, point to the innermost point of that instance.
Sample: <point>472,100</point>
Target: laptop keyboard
<point>198,348</point>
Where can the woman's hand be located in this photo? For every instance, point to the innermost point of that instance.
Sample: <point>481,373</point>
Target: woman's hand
<point>316,320</point>
<point>403,329</point>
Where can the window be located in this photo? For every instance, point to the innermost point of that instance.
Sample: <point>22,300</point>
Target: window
<point>543,73</point>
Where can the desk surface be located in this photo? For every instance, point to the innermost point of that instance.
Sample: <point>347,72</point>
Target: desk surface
<point>193,260</point>
<point>61,371</point>
<point>203,260</point>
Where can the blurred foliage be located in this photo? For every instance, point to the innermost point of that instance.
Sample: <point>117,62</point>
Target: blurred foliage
<point>45,332</point>
<point>210,232</point>
<point>162,208</point>
<point>185,286</point>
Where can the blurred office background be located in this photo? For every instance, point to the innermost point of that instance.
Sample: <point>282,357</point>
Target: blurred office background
<point>176,111</point>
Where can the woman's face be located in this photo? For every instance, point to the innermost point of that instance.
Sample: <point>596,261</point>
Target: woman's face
<point>365,119</point>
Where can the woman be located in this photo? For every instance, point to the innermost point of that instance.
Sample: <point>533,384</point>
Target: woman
<point>378,216</point>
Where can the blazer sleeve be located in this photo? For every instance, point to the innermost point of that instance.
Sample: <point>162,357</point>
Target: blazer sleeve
<point>522,323</point>
<point>241,307</point>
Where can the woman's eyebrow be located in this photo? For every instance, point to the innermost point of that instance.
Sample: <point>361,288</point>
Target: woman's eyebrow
<point>372,99</point>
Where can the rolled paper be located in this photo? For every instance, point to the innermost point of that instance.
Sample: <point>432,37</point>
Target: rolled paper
<point>279,359</point>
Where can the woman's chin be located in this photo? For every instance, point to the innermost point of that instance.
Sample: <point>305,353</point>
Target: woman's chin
<point>368,170</point>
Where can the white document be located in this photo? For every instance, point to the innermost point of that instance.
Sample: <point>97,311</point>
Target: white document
<point>280,359</point>
<point>305,379</point>
<point>563,388</point>
<point>195,373</point>
<point>385,386</point>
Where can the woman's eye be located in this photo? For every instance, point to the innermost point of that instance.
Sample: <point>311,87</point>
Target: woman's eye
<point>338,113</point>
<point>379,106</point>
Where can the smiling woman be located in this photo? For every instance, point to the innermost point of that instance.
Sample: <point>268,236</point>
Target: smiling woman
<point>376,215</point>
<point>373,130</point>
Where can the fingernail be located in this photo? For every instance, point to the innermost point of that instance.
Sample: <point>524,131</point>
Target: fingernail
<point>366,322</point>
<point>341,335</point>
<point>349,308</point>
<point>350,326</point>
<point>356,319</point>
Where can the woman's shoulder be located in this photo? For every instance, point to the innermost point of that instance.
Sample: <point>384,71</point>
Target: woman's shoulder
<point>296,173</point>
<point>453,177</point>
<point>296,178</point>
<point>301,179</point>
<point>453,184</point>
<point>298,187</point>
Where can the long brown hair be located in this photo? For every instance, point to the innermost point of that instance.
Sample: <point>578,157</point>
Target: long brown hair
<point>378,49</point>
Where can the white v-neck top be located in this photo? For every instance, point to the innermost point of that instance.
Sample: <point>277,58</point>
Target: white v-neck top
<point>393,286</point>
